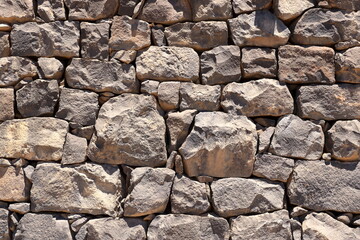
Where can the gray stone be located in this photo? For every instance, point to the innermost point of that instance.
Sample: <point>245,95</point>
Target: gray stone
<point>91,10</point>
<point>125,56</point>
<point>288,10</point>
<point>335,102</point>
<point>28,171</point>
<point>4,224</point>
<point>298,211</point>
<point>140,138</point>
<point>95,40</point>
<point>101,76</point>
<point>170,162</point>
<point>221,65</point>
<point>352,5</point>
<point>50,68</point>
<point>244,196</point>
<point>168,95</point>
<point>51,10</point>
<point>347,65</point>
<point>14,69</point>
<point>259,62</point>
<point>21,208</point>
<point>140,201</point>
<point>273,167</point>
<point>259,28</point>
<point>211,9</point>
<point>199,97</point>
<point>201,36</point>
<point>241,6</point>
<point>14,11</point>
<point>334,187</point>
<point>127,7</point>
<point>84,132</point>
<point>296,138</point>
<point>7,101</point>
<point>158,36</point>
<point>265,139</point>
<point>150,87</point>
<point>4,45</point>
<point>179,166</point>
<point>209,150</point>
<point>74,150</point>
<point>14,187</point>
<point>264,97</point>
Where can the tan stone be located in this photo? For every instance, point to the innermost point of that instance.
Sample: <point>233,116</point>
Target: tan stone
<point>51,10</point>
<point>348,66</point>
<point>7,99</point>
<point>14,187</point>
<point>14,11</point>
<point>91,10</point>
<point>199,97</point>
<point>241,6</point>
<point>211,9</point>
<point>14,69</point>
<point>287,10</point>
<point>4,45</point>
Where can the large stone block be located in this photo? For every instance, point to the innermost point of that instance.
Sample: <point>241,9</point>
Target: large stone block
<point>14,187</point>
<point>211,9</point>
<point>241,6</point>
<point>95,40</point>
<point>199,97</point>
<point>347,65</point>
<point>15,11</point>
<point>14,69</point>
<point>91,10</point>
<point>288,10</point>
<point>259,62</point>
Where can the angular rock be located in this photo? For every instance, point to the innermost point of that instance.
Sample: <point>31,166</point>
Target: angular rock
<point>4,224</point>
<point>33,138</point>
<point>42,226</point>
<point>296,138</point>
<point>347,65</point>
<point>150,87</point>
<point>221,65</point>
<point>129,34</point>
<point>305,65</point>
<point>109,228</point>
<point>158,35</point>
<point>14,69</point>
<point>54,39</point>
<point>181,226</point>
<point>168,95</point>
<point>21,208</point>
<point>50,68</point>
<point>201,36</point>
<point>90,10</point>
<point>275,225</point>
<point>199,97</point>
<point>7,100</point>
<point>14,11</point>
<point>14,187</point>
<point>95,40</point>
<point>37,98</point>
<point>265,139</point>
<point>259,28</point>
<point>241,6</point>
<point>209,150</point>
<point>343,140</point>
<point>84,132</point>
<point>87,188</point>
<point>334,187</point>
<point>288,10</point>
<point>188,196</point>
<point>127,7</point>
<point>101,76</point>
<point>172,11</point>
<point>335,102</point>
<point>259,62</point>
<point>74,150</point>
<point>140,201</point>
<point>265,97</point>
<point>4,45</point>
<point>51,10</point>
<point>273,167</point>
<point>246,196</point>
<point>125,56</point>
<point>168,63</point>
<point>78,106</point>
<point>211,10</point>
<point>352,5</point>
<point>140,138</point>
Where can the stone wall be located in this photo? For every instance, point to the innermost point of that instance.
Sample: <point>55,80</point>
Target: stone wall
<point>179,119</point>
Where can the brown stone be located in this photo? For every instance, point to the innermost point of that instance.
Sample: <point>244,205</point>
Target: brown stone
<point>91,10</point>
<point>14,187</point>
<point>211,9</point>
<point>15,11</point>
<point>347,66</point>
<point>258,62</point>
<point>7,100</point>
<point>95,40</point>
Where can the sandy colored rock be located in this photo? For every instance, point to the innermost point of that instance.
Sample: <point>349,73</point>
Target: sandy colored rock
<point>306,65</point>
<point>168,95</point>
<point>158,36</point>
<point>74,150</point>
<point>7,100</point>
<point>140,138</point>
<point>125,56</point>
<point>150,87</point>
<point>199,97</point>
<point>50,68</point>
<point>273,167</point>
<point>211,9</point>
<point>95,40</point>
<point>265,139</point>
<point>14,187</point>
<point>208,150</point>
<point>201,36</point>
<point>352,5</point>
<point>14,11</point>
<point>4,45</point>
<point>4,224</point>
<point>33,138</point>
<point>127,7</point>
<point>258,62</point>
<point>51,10</point>
<point>241,6</point>
<point>288,10</point>
<point>90,10</point>
<point>259,28</point>
<point>168,63</point>
<point>347,65</point>
<point>21,208</point>
<point>14,69</point>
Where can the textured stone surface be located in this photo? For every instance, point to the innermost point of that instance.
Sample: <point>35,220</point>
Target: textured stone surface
<point>287,10</point>
<point>201,36</point>
<point>88,188</point>
<point>74,150</point>
<point>352,5</point>
<point>95,40</point>
<point>91,10</point>
<point>140,138</point>
<point>258,62</point>
<point>21,208</point>
<point>235,196</point>
<point>211,9</point>
<point>209,149</point>
<point>158,36</point>
<point>265,97</point>
<point>335,186</point>
<point>101,76</point>
<point>14,69</point>
<point>338,101</point>
<point>150,87</point>
<point>168,63</point>
<point>14,187</point>
<point>125,56</point>
<point>4,44</point>
<point>13,11</point>
<point>306,65</point>
<point>33,138</point>
<point>4,224</point>
<point>347,66</point>
<point>265,139</point>
<point>241,6</point>
<point>50,68</point>
<point>273,167</point>
<point>181,226</point>
<point>259,28</point>
<point>199,97</point>
<point>127,7</point>
<point>168,95</point>
<point>7,99</point>
<point>221,65</point>
<point>51,10</point>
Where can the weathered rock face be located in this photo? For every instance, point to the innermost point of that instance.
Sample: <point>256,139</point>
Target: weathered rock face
<point>140,201</point>
<point>265,139</point>
<point>265,226</point>
<point>241,6</point>
<point>129,34</point>
<point>333,187</point>
<point>88,188</point>
<point>74,150</point>
<point>6,104</point>
<point>296,138</point>
<point>199,97</point>
<point>181,226</point>
<point>95,40</point>
<point>348,66</point>
<point>168,63</point>
<point>209,149</point>
<point>101,76</point>
<point>306,65</point>
<point>168,95</point>
<point>258,62</point>
<point>273,167</point>
<point>127,7</point>
<point>235,196</point>
<point>343,140</point>
<point>51,10</point>
<point>221,65</point>
<point>288,10</point>
<point>33,138</point>
<point>4,224</point>
<point>50,68</point>
<point>54,39</point>
<point>14,187</point>
<point>43,226</point>
<point>211,10</point>
<point>265,97</point>
<point>13,11</point>
<point>342,4</point>
<point>259,28</point>
<point>140,138</point>
<point>201,36</point>
<point>90,10</point>
<point>338,101</point>
<point>14,69</point>
<point>4,45</point>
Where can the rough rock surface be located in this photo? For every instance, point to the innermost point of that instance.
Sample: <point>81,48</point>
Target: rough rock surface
<point>288,10</point>
<point>51,10</point>
<point>13,11</point>
<point>138,141</point>
<point>91,10</point>
<point>95,40</point>
<point>50,68</point>
<point>335,186</point>
<point>265,139</point>
<point>258,62</point>
<point>4,224</point>
<point>87,188</point>
<point>158,36</point>
<point>14,69</point>
<point>259,28</point>
<point>211,10</point>
<point>4,44</point>
<point>342,4</point>
<point>241,6</point>
<point>347,66</point>
<point>209,149</point>
<point>7,99</point>
<point>235,196</point>
<point>14,187</point>
<point>168,95</point>
<point>74,150</point>
<point>33,138</point>
<point>199,97</point>
<point>127,7</point>
<point>265,97</point>
<point>273,167</point>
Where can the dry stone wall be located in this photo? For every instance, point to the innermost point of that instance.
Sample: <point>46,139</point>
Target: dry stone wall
<point>179,119</point>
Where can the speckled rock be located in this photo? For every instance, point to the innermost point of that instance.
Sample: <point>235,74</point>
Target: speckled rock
<point>4,224</point>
